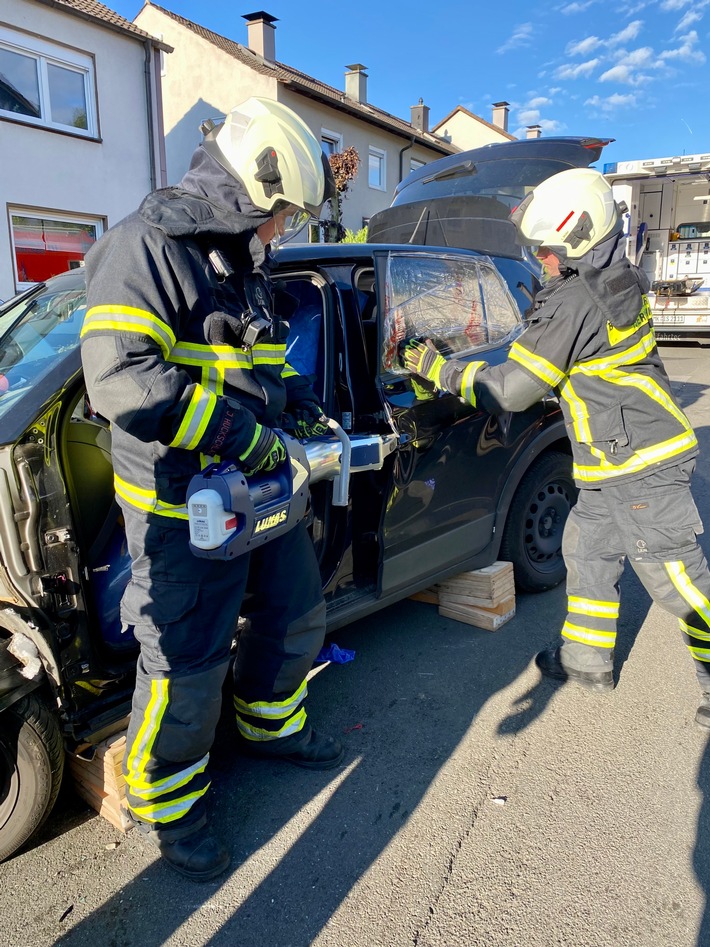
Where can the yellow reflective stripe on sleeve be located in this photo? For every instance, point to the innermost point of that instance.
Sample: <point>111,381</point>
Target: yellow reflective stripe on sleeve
<point>128,319</point>
<point>291,726</point>
<point>644,457</point>
<point>288,371</point>
<point>590,606</point>
<point>700,654</point>
<point>147,500</point>
<point>273,710</point>
<point>467,380</point>
<point>536,364</point>
<point>590,636</point>
<point>691,593</point>
<point>168,811</point>
<point>197,417</point>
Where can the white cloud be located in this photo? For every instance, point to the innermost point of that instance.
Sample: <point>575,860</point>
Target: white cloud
<point>577,7</point>
<point>692,16</point>
<point>529,116</point>
<point>584,46</point>
<point>687,51</point>
<point>612,102</point>
<point>538,101</point>
<point>568,71</point>
<point>629,32</point>
<point>623,73</point>
<point>674,4</point>
<point>521,36</point>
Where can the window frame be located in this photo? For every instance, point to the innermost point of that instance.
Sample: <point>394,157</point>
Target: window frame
<point>15,210</point>
<point>332,138</point>
<point>46,53</point>
<point>374,152</point>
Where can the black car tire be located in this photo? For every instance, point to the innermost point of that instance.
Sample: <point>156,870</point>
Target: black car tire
<point>31,766</point>
<point>532,539</point>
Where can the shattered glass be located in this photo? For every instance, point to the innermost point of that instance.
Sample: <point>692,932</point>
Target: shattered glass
<point>460,304</point>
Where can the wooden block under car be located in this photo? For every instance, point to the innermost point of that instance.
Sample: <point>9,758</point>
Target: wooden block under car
<point>100,781</point>
<point>490,619</point>
<point>489,586</point>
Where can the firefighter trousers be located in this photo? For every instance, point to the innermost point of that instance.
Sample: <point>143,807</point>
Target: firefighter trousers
<point>184,612</point>
<point>652,522</point>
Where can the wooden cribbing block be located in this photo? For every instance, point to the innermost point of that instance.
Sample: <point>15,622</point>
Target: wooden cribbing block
<point>490,586</point>
<point>490,619</point>
<point>100,781</point>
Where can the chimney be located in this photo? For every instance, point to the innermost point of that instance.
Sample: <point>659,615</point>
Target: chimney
<point>356,82</point>
<point>533,131</point>
<point>500,115</point>
<point>260,34</point>
<point>420,116</point>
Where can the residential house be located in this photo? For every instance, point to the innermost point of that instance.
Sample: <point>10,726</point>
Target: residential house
<point>80,131</point>
<point>207,74</point>
<point>466,130</point>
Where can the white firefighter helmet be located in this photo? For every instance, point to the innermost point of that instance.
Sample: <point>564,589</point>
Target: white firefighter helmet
<point>570,213</point>
<point>275,155</point>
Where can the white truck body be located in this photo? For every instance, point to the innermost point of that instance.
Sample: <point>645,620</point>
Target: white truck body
<point>667,227</point>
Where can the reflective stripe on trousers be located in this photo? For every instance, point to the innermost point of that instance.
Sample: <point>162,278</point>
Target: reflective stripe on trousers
<point>653,522</point>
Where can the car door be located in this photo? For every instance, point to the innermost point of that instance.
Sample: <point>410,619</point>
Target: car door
<point>452,460</point>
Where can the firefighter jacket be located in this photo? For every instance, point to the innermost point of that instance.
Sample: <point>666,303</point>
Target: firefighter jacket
<point>591,339</point>
<point>181,348</point>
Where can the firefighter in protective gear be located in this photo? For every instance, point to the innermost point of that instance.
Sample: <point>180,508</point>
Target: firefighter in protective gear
<point>184,353</point>
<point>590,338</point>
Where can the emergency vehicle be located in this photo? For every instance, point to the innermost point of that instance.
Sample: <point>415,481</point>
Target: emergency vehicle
<point>667,226</point>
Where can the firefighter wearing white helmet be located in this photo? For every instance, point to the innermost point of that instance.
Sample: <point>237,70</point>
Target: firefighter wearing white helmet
<point>184,349</point>
<point>590,337</point>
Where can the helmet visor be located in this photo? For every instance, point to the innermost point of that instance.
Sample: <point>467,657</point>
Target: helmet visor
<point>290,221</point>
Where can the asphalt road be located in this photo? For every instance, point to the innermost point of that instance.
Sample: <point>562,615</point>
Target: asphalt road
<point>478,806</point>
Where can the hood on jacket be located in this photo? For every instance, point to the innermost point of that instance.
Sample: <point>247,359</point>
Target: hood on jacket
<point>208,202</point>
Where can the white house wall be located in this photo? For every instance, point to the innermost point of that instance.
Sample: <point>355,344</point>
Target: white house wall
<point>466,132</point>
<point>199,81</point>
<point>64,174</point>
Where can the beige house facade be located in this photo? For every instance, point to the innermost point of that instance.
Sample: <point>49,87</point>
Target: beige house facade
<point>207,74</point>
<point>80,131</point>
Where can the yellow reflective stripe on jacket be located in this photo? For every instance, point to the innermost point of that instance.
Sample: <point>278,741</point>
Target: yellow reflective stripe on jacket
<point>590,636</point>
<point>619,335</point>
<point>578,412</point>
<point>147,500</point>
<point>197,417</point>
<point>291,726</point>
<point>691,593</point>
<point>467,380</point>
<point>168,811</point>
<point>273,710</point>
<point>288,371</point>
<point>590,606</point>
<point>627,357</point>
<point>536,364</point>
<point>650,388</point>
<point>129,319</point>
<point>644,457</point>
<point>225,357</point>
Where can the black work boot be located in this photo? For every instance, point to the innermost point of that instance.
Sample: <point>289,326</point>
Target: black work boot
<point>199,856</point>
<point>306,748</point>
<point>702,716</point>
<point>550,663</point>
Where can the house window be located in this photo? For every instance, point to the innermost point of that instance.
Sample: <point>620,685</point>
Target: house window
<point>376,169</point>
<point>331,142</point>
<point>415,164</point>
<point>45,84</point>
<point>45,244</point>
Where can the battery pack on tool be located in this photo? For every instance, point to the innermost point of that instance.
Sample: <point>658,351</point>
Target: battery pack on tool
<point>230,514</point>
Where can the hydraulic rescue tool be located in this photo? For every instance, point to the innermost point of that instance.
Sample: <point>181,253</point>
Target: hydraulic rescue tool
<point>230,513</point>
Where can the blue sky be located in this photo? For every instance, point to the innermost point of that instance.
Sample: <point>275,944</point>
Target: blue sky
<point>634,71</point>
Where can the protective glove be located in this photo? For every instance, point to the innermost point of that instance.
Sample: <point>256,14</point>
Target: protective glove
<point>265,452</point>
<point>309,420</point>
<point>422,358</point>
